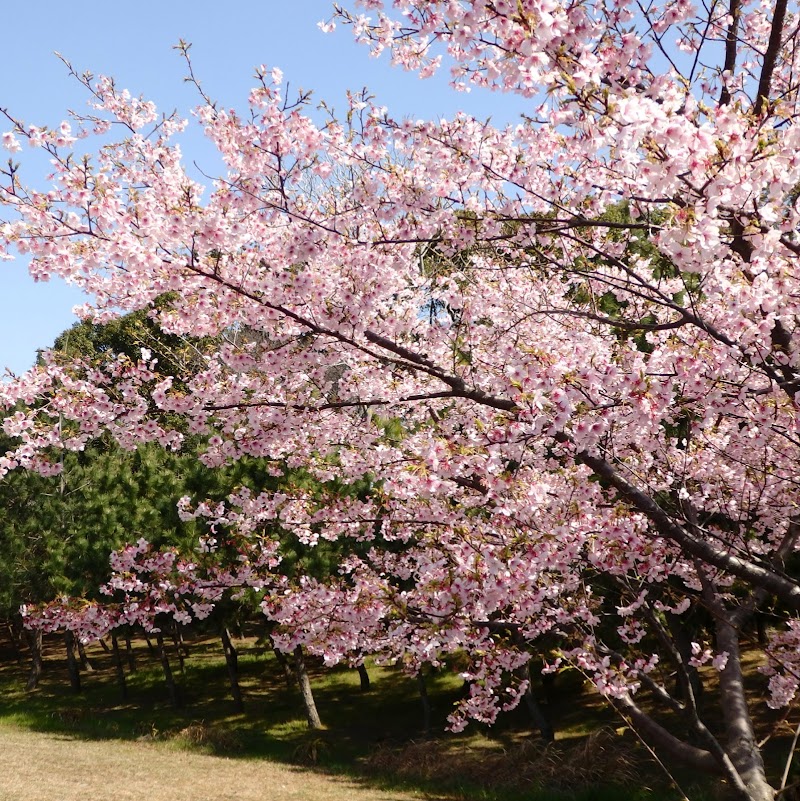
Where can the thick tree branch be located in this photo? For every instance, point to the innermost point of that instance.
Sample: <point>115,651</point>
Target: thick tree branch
<point>321,407</point>
<point>664,740</point>
<point>731,42</point>
<point>756,575</point>
<point>770,57</point>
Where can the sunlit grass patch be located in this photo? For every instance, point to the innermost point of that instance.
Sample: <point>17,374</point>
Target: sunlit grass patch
<point>377,736</point>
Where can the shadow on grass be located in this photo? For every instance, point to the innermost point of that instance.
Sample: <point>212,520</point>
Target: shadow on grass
<point>373,737</point>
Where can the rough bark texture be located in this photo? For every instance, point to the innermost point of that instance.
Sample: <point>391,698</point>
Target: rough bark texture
<point>304,683</point>
<point>232,663</point>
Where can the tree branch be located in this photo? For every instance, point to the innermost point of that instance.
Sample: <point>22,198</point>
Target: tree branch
<point>756,575</point>
<point>730,49</point>
<point>664,740</point>
<point>770,57</point>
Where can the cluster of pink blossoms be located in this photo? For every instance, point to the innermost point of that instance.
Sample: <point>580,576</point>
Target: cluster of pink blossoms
<point>563,355</point>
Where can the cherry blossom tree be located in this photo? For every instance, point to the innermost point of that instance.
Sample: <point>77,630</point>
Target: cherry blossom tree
<point>564,353</point>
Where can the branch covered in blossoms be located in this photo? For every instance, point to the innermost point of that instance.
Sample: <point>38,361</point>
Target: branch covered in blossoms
<point>562,355</point>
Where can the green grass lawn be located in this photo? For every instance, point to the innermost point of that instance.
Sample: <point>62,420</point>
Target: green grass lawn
<point>375,736</point>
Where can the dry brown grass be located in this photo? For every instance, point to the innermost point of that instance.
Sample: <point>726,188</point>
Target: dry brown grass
<point>601,758</point>
<point>48,767</point>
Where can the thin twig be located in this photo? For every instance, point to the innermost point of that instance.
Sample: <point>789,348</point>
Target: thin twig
<point>789,758</point>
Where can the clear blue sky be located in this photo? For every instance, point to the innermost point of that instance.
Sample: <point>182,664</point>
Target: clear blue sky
<point>133,42</point>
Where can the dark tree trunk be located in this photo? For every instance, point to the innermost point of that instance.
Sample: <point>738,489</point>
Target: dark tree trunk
<point>232,663</point>
<point>15,643</point>
<point>426,703</point>
<point>683,642</point>
<point>288,675</point>
<point>34,639</point>
<point>150,647</point>
<point>761,629</point>
<point>305,689</point>
<point>72,662</point>
<point>172,687</point>
<point>123,687</point>
<point>104,645</point>
<point>548,687</point>
<point>364,676</point>
<point>181,651</point>
<point>538,717</point>
<point>129,653</point>
<point>85,663</point>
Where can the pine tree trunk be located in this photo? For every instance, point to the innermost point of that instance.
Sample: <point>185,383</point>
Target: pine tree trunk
<point>426,703</point>
<point>232,663</point>
<point>287,668</point>
<point>364,677</point>
<point>15,643</point>
<point>538,717</point>
<point>72,662</point>
<point>761,629</point>
<point>683,642</point>
<point>129,653</point>
<point>34,639</point>
<point>304,683</point>
<point>177,641</point>
<point>123,687</point>
<point>85,663</point>
<point>172,688</point>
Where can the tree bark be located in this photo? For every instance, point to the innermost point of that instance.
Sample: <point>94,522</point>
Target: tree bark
<point>72,663</point>
<point>180,649</point>
<point>123,687</point>
<point>683,644</point>
<point>761,629</point>
<point>232,663</point>
<point>705,550</point>
<point>664,741</point>
<point>426,703</point>
<point>129,653</point>
<point>742,745</point>
<point>364,677</point>
<point>538,717</point>
<point>34,639</point>
<point>85,663</point>
<point>15,643</point>
<point>172,687</point>
<point>287,668</point>
<point>304,683</point>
